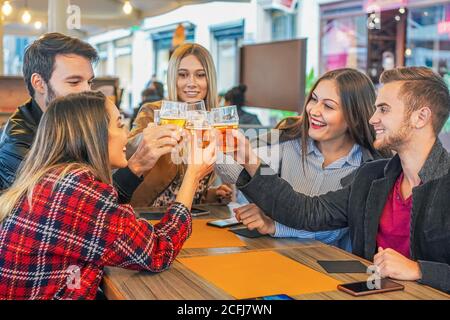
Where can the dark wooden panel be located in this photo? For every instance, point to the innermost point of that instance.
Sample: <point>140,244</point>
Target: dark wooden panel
<point>13,93</point>
<point>275,74</point>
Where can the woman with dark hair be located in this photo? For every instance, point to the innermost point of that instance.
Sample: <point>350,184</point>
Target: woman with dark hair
<point>62,217</point>
<point>319,151</point>
<point>236,97</point>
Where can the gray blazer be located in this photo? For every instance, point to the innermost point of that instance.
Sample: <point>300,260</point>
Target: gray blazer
<point>359,206</point>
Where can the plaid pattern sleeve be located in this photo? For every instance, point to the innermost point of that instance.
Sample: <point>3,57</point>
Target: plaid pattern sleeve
<point>57,249</point>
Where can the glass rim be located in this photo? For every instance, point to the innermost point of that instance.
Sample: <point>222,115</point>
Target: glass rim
<point>224,109</point>
<point>173,102</point>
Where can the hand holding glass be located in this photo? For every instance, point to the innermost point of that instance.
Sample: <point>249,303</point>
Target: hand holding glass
<point>225,119</point>
<point>197,120</point>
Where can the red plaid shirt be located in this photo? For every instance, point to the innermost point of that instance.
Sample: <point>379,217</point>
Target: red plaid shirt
<point>58,249</point>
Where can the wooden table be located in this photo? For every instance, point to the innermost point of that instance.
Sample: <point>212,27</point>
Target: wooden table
<point>262,243</point>
<point>178,282</point>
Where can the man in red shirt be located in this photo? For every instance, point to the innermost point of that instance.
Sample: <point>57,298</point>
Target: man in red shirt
<point>398,209</point>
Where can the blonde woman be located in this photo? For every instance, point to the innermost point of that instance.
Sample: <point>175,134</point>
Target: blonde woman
<point>191,77</point>
<point>63,215</point>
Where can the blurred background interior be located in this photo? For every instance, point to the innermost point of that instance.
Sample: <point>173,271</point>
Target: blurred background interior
<point>272,50</point>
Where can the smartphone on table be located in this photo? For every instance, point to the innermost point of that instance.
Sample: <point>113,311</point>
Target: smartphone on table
<point>158,213</point>
<point>198,212</point>
<point>362,288</point>
<point>223,223</point>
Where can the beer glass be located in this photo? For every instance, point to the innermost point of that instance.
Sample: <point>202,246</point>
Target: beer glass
<point>224,119</point>
<point>198,121</point>
<point>157,117</point>
<point>173,112</point>
<point>196,106</point>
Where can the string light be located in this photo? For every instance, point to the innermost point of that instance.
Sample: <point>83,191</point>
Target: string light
<point>38,25</point>
<point>26,17</point>
<point>127,7</point>
<point>6,8</point>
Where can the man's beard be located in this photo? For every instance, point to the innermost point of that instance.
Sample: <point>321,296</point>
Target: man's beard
<point>51,95</point>
<point>393,141</point>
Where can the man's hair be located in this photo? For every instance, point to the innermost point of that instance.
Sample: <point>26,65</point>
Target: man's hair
<point>422,87</point>
<point>40,55</point>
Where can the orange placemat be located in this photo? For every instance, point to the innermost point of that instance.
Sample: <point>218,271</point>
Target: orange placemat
<point>204,236</point>
<point>255,274</point>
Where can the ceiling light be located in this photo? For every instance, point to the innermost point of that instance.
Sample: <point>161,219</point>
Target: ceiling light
<point>127,7</point>
<point>26,17</point>
<point>6,8</point>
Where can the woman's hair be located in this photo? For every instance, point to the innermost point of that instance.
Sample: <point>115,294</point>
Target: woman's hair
<point>206,61</point>
<point>357,95</point>
<point>72,134</point>
<point>236,95</point>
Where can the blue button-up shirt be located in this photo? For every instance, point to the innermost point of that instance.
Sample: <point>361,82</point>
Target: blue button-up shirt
<point>312,181</point>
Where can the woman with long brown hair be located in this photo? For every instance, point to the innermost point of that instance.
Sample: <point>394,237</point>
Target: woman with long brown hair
<point>320,150</point>
<point>62,215</point>
<point>191,77</point>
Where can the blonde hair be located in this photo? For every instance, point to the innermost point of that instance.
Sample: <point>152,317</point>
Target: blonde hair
<point>203,55</point>
<point>72,134</point>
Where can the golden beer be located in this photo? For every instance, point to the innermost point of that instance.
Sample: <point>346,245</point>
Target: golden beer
<point>225,129</point>
<point>203,135</point>
<point>176,121</point>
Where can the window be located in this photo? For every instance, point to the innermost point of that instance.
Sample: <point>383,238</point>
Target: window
<point>428,44</point>
<point>13,51</point>
<point>344,36</point>
<point>228,39</point>
<point>162,44</point>
<point>101,69</point>
<point>428,38</point>
<point>123,70</point>
<point>344,43</point>
<point>284,25</point>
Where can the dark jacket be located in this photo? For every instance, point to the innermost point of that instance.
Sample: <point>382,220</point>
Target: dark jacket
<point>360,205</point>
<point>17,138</point>
<point>248,118</point>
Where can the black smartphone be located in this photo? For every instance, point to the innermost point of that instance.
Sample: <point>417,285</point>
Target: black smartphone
<point>152,215</point>
<point>247,233</point>
<point>223,223</point>
<point>197,212</point>
<point>362,288</point>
